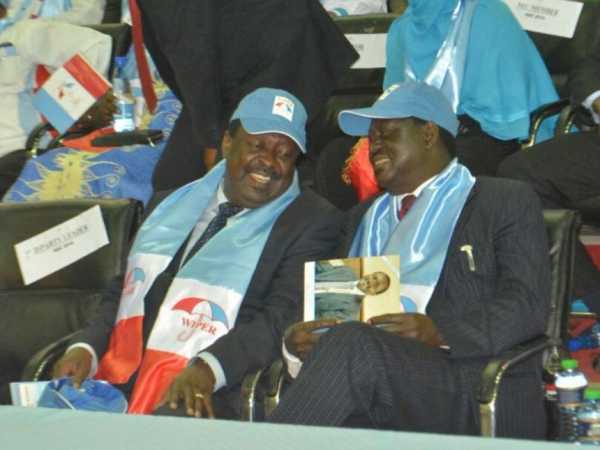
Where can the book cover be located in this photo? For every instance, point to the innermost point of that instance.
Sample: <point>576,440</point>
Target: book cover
<point>352,288</point>
<point>69,92</point>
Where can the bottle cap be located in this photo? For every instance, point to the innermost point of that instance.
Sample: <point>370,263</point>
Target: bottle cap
<point>120,61</point>
<point>574,345</point>
<point>569,364</point>
<point>592,394</point>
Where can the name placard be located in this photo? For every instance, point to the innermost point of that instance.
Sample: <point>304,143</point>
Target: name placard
<point>554,17</point>
<point>371,50</point>
<point>61,245</point>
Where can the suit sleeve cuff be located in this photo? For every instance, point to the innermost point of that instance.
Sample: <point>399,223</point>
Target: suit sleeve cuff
<point>216,367</point>
<point>588,104</point>
<point>293,363</point>
<point>89,348</point>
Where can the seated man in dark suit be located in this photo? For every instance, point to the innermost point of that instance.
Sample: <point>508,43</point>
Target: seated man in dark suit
<point>215,273</point>
<point>564,171</point>
<point>473,257</point>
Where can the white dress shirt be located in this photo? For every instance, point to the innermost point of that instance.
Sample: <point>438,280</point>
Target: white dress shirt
<point>22,47</point>
<point>588,104</point>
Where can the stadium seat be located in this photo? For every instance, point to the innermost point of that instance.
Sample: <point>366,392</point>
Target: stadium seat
<point>36,315</point>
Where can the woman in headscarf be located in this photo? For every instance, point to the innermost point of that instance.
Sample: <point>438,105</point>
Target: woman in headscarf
<point>485,63</point>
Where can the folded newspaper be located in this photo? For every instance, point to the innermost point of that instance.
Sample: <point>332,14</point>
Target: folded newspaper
<point>352,288</point>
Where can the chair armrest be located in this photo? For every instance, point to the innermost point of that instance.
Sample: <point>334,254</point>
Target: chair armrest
<point>41,363</point>
<point>262,387</point>
<point>35,136</point>
<point>493,373</point>
<point>539,115</point>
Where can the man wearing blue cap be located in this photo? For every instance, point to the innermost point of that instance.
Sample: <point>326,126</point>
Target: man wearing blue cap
<point>215,273</point>
<point>473,261</point>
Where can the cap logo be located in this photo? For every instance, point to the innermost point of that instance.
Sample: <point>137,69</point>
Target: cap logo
<point>388,91</point>
<point>284,107</point>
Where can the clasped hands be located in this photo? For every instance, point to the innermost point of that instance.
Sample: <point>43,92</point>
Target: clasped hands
<point>193,386</point>
<point>301,337</point>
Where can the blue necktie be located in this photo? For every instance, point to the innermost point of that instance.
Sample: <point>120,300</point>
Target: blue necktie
<point>226,210</point>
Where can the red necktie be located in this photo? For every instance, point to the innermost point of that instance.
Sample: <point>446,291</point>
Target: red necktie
<point>140,56</point>
<point>405,205</point>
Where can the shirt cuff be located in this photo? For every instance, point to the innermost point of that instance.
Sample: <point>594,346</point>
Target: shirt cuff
<point>293,363</point>
<point>588,104</point>
<point>216,367</point>
<point>89,348</point>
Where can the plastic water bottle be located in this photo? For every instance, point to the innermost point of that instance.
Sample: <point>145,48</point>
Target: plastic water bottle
<point>588,419</point>
<point>123,118</point>
<point>588,340</point>
<point>570,388</point>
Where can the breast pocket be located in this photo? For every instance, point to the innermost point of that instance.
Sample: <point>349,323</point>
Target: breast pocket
<point>470,274</point>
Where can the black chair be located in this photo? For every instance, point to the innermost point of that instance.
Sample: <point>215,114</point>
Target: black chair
<point>359,88</point>
<point>561,55</point>
<point>33,316</point>
<point>262,390</point>
<point>562,227</point>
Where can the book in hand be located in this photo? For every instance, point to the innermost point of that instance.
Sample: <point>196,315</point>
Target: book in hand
<point>69,92</point>
<point>352,288</point>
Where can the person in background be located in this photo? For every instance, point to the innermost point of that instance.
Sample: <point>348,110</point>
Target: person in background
<point>76,12</point>
<point>564,171</point>
<point>339,291</point>
<point>24,46</point>
<point>473,257</point>
<point>211,53</point>
<point>214,275</point>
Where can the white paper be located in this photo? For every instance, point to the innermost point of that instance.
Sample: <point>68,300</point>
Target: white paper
<point>61,245</point>
<point>27,393</point>
<point>309,291</point>
<point>554,17</point>
<point>371,50</point>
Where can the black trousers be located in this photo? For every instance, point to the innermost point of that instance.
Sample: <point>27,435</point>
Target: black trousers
<point>564,171</point>
<point>398,383</point>
<point>394,383</point>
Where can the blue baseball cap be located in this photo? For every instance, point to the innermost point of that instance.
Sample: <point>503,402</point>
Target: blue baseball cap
<point>267,110</point>
<point>408,99</point>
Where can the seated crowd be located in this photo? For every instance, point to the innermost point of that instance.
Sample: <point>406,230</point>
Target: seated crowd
<point>214,282</point>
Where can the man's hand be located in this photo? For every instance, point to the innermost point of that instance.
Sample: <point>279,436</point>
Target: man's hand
<point>410,325</point>
<point>301,337</point>
<point>194,386</point>
<point>76,363</point>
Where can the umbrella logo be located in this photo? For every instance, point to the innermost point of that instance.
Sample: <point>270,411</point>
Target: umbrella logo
<point>132,279</point>
<point>204,315</point>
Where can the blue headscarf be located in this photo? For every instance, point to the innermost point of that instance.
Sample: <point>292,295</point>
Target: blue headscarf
<point>504,76</point>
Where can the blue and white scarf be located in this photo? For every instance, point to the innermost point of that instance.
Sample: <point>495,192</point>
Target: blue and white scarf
<point>421,238</point>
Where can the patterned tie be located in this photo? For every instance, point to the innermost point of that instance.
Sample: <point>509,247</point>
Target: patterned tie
<point>226,210</point>
<point>405,205</point>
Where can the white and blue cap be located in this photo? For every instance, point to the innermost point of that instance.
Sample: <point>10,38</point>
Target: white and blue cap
<point>267,110</point>
<point>408,99</point>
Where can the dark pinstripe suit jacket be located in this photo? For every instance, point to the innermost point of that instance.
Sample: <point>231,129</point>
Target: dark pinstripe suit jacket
<point>505,300</point>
